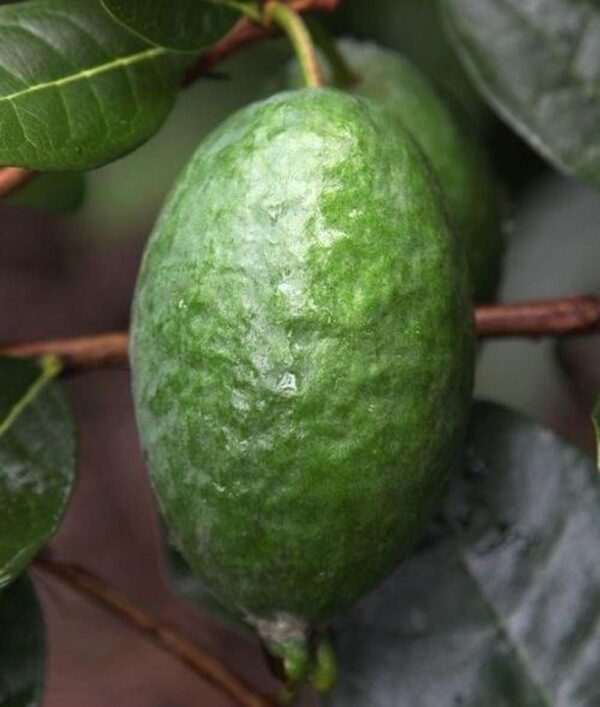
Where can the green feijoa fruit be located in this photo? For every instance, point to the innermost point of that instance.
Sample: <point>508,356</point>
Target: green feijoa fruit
<point>448,141</point>
<point>302,356</point>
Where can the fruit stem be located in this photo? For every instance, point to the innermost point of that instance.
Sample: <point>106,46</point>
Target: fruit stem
<point>249,10</point>
<point>343,74</point>
<point>293,25</point>
<point>325,668</point>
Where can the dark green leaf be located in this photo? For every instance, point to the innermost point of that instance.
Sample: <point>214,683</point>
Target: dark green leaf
<point>501,606</point>
<point>37,460</point>
<point>22,647</point>
<point>184,25</point>
<point>76,88</point>
<point>538,64</point>
<point>57,192</point>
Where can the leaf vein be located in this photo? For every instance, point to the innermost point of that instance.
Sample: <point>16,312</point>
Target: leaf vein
<point>50,367</point>
<point>87,74</point>
<point>504,630</point>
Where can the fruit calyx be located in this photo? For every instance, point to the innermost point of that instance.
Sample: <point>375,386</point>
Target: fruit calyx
<point>305,654</point>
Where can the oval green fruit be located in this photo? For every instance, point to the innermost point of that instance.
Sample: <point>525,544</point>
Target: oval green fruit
<point>302,357</point>
<point>449,143</point>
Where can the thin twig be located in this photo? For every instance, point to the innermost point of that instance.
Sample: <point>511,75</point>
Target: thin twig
<point>558,317</point>
<point>171,640</point>
<point>78,354</point>
<point>11,178</point>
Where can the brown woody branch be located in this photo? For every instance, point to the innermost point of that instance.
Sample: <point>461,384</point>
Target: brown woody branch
<point>172,641</point>
<point>11,178</point>
<point>559,317</point>
<point>78,354</point>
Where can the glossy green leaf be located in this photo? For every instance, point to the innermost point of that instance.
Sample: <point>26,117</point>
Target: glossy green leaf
<point>37,460</point>
<point>538,64</point>
<point>77,89</point>
<point>22,646</point>
<point>501,606</point>
<point>184,25</point>
<point>56,192</point>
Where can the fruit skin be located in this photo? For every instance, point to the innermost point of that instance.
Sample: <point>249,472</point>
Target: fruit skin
<point>302,357</point>
<point>449,143</point>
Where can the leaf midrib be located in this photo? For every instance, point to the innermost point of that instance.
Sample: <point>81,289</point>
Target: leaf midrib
<point>501,626</point>
<point>87,74</point>
<point>548,42</point>
<point>49,369</point>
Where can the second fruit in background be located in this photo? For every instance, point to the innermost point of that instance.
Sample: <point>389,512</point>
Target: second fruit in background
<point>450,144</point>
